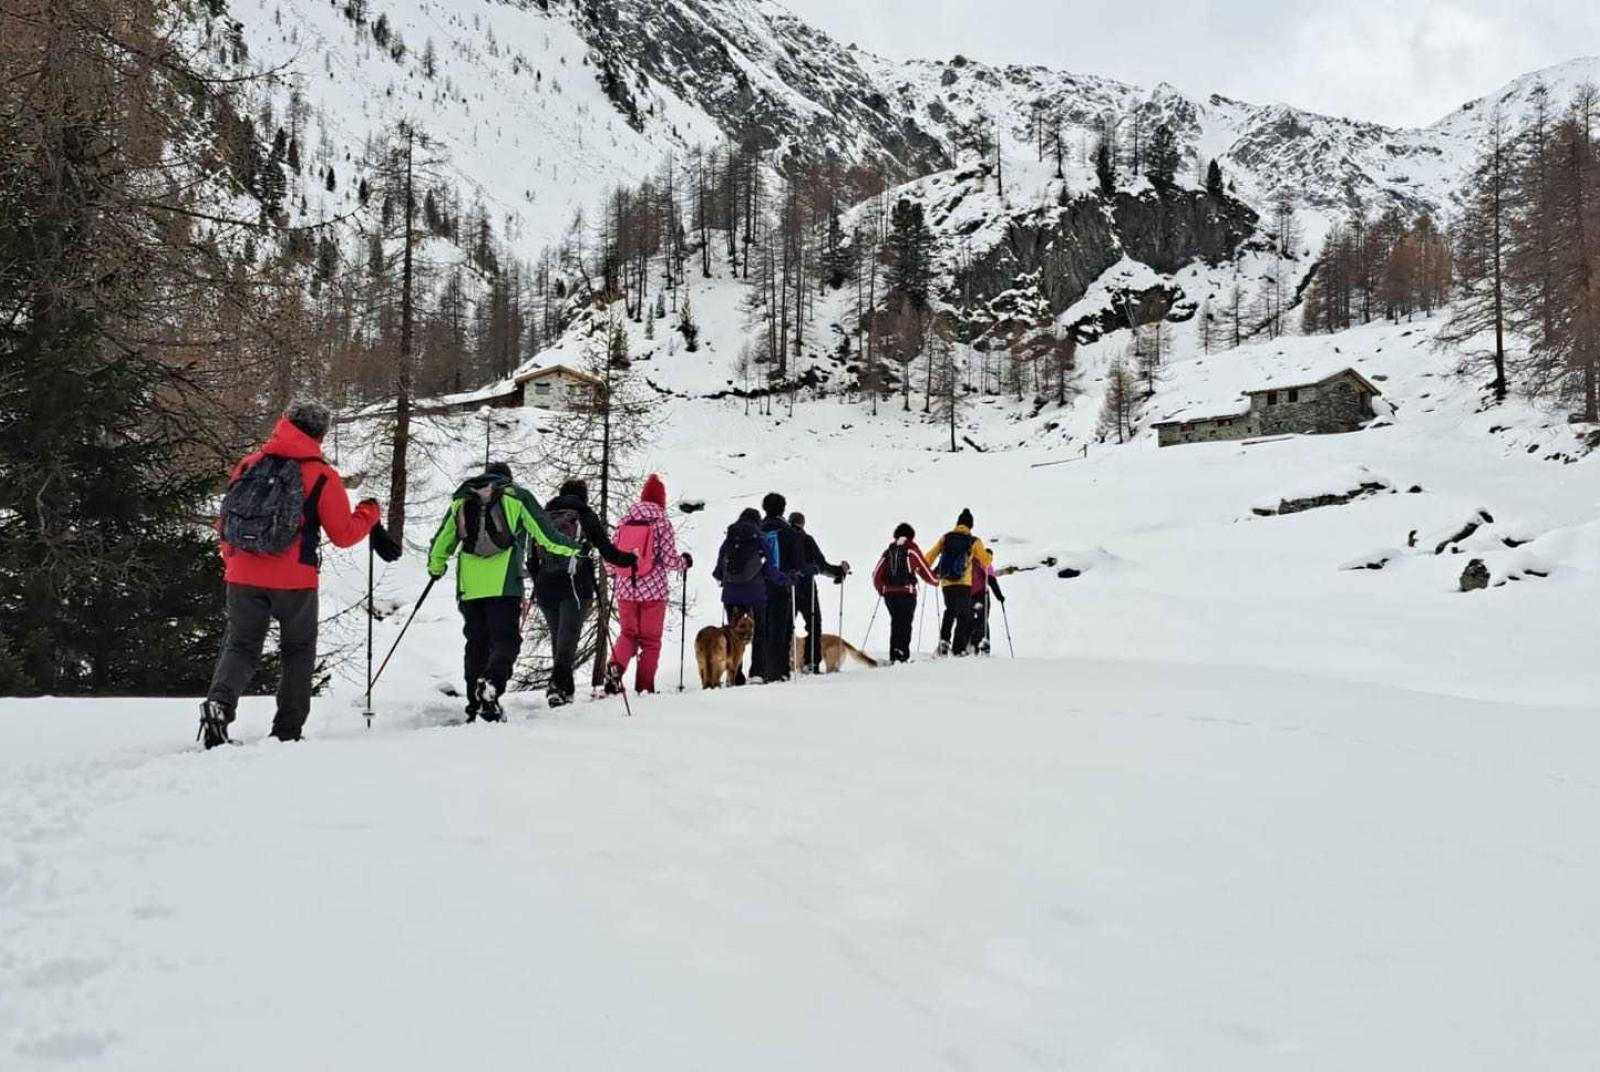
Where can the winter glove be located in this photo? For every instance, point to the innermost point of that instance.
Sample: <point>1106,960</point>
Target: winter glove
<point>437,573</point>
<point>384,545</point>
<point>688,561</point>
<point>999,596</point>
<point>630,560</point>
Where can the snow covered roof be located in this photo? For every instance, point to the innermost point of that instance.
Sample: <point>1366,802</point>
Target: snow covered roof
<point>1227,384</point>
<point>541,371</point>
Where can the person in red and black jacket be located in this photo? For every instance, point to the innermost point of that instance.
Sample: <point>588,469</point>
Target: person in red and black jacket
<point>896,577</point>
<point>282,586</point>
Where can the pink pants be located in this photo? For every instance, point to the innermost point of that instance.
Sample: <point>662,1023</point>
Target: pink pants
<point>642,624</point>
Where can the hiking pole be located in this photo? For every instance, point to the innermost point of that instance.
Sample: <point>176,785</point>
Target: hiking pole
<point>922,616</point>
<point>683,626</point>
<point>871,622</point>
<point>1006,617</point>
<point>622,689</point>
<point>420,600</point>
<point>371,569</point>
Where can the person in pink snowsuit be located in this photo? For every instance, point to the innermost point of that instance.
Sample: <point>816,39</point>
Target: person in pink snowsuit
<point>642,595</point>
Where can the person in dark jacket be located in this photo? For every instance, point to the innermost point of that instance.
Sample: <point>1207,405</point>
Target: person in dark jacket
<point>744,569</point>
<point>812,564</point>
<point>565,588</point>
<point>896,578</point>
<point>774,639</point>
<point>282,586</point>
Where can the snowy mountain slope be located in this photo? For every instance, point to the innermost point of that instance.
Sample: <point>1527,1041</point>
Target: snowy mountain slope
<point>543,107</point>
<point>1237,804</point>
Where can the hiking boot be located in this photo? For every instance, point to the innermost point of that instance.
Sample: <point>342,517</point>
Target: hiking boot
<point>944,649</point>
<point>489,703</point>
<point>556,697</point>
<point>214,719</point>
<point>613,682</point>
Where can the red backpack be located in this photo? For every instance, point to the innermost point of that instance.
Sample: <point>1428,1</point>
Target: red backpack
<point>638,537</point>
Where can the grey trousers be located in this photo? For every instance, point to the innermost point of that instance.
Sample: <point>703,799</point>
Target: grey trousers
<point>250,611</point>
<point>565,617</point>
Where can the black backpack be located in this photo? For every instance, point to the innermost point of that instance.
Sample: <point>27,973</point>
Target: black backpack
<point>953,558</point>
<point>742,558</point>
<point>569,523</point>
<point>481,521</point>
<point>264,510</point>
<point>897,571</point>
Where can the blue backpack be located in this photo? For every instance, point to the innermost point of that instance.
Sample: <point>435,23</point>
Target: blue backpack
<point>953,558</point>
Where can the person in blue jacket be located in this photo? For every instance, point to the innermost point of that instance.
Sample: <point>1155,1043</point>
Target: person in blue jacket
<point>744,569</point>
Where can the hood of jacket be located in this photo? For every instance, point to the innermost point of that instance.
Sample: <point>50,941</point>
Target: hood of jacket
<point>288,441</point>
<point>744,530</point>
<point>487,480</point>
<point>568,502</point>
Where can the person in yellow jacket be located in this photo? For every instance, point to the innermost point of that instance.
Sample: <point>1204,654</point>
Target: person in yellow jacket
<point>953,556</point>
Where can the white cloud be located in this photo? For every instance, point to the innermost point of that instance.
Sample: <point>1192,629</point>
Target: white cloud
<point>1397,62</point>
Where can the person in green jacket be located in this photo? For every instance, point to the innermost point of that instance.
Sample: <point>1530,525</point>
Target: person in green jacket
<point>491,520</point>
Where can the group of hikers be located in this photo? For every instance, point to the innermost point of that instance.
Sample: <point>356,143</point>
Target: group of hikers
<point>282,498</point>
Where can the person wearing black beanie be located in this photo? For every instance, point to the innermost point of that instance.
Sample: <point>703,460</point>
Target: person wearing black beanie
<point>954,557</point>
<point>771,652</point>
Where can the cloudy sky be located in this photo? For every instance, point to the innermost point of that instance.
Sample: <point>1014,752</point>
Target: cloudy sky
<point>1396,61</point>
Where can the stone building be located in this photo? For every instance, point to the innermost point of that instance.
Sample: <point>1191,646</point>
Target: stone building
<point>556,387</point>
<point>1341,402</point>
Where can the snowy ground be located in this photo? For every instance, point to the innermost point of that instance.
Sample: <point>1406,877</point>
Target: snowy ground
<point>1054,864</point>
<point>1236,805</point>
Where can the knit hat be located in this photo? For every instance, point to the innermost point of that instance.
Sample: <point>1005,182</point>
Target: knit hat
<point>580,488</point>
<point>965,518</point>
<point>310,416</point>
<point>797,519</point>
<point>904,531</point>
<point>654,491</point>
<point>774,504</point>
<point>500,469</point>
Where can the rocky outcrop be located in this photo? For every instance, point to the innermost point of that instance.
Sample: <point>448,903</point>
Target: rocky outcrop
<point>1475,577</point>
<point>1049,258</point>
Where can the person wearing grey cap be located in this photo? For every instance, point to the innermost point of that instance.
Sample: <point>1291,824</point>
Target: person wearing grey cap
<point>280,501</point>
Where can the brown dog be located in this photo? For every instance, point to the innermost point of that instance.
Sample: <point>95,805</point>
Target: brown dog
<point>834,649</point>
<point>719,651</point>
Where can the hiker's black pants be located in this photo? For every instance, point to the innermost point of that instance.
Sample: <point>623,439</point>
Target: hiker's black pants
<point>902,607</point>
<point>493,628</point>
<point>805,605</point>
<point>774,639</point>
<point>980,622</point>
<point>251,611</point>
<point>957,624</point>
<point>565,614</point>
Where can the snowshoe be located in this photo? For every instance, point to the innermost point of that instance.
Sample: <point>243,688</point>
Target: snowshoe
<point>613,682</point>
<point>213,725</point>
<point>943,649</point>
<point>557,698</point>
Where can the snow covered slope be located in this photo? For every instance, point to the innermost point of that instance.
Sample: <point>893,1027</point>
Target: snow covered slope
<point>543,106</point>
<point>1240,802</point>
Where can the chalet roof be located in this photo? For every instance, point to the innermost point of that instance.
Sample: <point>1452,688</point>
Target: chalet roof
<point>543,371</point>
<point>1368,384</point>
<point>1282,379</point>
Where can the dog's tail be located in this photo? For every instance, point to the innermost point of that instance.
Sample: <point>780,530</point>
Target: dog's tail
<point>859,655</point>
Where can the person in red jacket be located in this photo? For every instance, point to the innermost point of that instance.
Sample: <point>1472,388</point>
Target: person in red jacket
<point>281,586</point>
<point>896,578</point>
